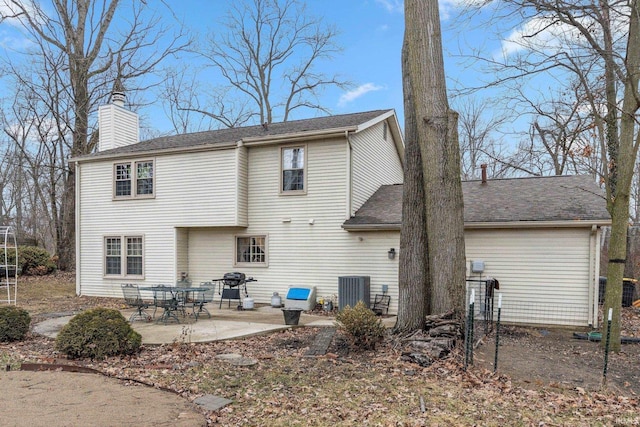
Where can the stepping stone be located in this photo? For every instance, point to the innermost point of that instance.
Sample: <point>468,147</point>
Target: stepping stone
<point>321,343</point>
<point>243,361</point>
<point>228,356</point>
<point>211,402</point>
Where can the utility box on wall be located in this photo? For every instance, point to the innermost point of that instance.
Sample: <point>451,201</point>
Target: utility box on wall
<point>352,289</point>
<point>477,266</point>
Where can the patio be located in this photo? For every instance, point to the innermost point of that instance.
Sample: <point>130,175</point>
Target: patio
<point>225,323</point>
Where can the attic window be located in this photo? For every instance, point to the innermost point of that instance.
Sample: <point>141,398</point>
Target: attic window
<point>292,166</point>
<point>384,130</point>
<point>133,179</point>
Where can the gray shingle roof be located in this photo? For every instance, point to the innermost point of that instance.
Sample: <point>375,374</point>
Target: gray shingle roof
<point>236,134</point>
<point>554,198</point>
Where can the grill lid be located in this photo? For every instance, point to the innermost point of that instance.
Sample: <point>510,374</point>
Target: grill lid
<point>234,279</point>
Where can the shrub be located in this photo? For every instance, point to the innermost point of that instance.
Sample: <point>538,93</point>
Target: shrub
<point>35,260</point>
<point>32,260</point>
<point>96,334</point>
<point>14,323</point>
<point>361,325</point>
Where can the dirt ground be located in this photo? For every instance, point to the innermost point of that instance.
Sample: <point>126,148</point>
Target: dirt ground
<point>552,358</point>
<point>534,358</point>
<point>82,399</point>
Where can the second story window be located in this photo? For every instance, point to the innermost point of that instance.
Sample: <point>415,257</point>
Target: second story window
<point>293,170</point>
<point>133,179</point>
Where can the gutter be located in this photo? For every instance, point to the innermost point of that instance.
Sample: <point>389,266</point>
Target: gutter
<point>299,136</point>
<point>489,225</point>
<point>78,211</point>
<point>165,151</point>
<point>349,189</point>
<point>262,140</point>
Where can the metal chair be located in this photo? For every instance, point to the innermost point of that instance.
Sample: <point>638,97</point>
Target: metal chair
<point>164,298</point>
<point>381,304</point>
<point>202,298</point>
<point>183,297</point>
<point>133,299</point>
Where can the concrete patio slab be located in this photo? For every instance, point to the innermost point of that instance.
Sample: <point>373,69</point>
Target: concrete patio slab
<point>225,323</point>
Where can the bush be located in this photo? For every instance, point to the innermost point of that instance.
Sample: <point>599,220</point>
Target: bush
<point>32,260</point>
<point>14,323</point>
<point>96,334</point>
<point>361,325</point>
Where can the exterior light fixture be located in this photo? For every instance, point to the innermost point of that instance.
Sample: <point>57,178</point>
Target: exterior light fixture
<point>392,253</point>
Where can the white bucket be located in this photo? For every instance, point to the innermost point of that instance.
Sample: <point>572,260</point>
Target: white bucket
<point>247,303</point>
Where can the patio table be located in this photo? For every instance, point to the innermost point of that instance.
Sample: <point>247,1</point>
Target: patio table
<point>177,300</point>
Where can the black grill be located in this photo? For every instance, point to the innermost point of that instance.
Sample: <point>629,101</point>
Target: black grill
<point>234,279</point>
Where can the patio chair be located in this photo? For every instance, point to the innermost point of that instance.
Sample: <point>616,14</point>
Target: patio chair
<point>165,299</point>
<point>133,299</point>
<point>202,298</point>
<point>185,300</point>
<point>381,304</point>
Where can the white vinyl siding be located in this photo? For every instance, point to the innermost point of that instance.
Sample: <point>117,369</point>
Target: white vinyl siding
<point>242,197</point>
<point>118,127</point>
<point>375,162</point>
<point>182,250</point>
<point>544,274</point>
<point>306,244</point>
<point>194,189</point>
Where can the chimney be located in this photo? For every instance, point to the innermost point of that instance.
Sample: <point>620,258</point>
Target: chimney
<point>118,97</point>
<point>117,126</point>
<point>484,172</point>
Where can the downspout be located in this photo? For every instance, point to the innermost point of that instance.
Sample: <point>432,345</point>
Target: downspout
<point>594,274</point>
<point>349,190</point>
<point>78,228</point>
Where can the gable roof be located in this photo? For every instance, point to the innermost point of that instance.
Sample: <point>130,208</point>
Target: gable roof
<point>274,131</point>
<point>509,202</point>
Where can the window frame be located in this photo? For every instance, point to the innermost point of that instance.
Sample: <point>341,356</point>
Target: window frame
<point>133,168</point>
<point>265,249</point>
<point>305,160</point>
<point>123,256</point>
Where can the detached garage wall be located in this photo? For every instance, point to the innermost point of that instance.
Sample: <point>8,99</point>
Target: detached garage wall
<point>546,276</point>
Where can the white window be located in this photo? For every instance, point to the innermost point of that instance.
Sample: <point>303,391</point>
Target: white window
<point>124,256</point>
<point>251,250</point>
<point>133,179</point>
<point>292,165</point>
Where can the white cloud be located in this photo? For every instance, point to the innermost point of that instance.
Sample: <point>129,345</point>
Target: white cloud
<point>392,6</point>
<point>356,93</point>
<point>535,34</point>
<point>543,34</point>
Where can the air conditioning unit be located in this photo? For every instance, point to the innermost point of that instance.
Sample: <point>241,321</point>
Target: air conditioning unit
<point>352,289</point>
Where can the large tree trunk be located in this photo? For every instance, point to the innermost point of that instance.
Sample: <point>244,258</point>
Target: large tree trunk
<point>622,175</point>
<point>413,301</point>
<point>440,156</point>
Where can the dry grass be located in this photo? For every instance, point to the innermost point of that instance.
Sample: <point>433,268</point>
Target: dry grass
<point>56,293</point>
<point>286,389</point>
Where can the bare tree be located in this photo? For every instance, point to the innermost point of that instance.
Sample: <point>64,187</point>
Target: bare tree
<point>478,144</point>
<point>77,45</point>
<point>597,44</point>
<point>268,52</point>
<point>434,127</point>
<point>413,271</point>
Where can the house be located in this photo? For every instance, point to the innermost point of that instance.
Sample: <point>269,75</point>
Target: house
<point>539,237</point>
<point>268,201</point>
<point>306,202</point>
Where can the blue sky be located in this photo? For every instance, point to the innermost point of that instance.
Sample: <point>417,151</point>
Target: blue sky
<point>371,33</point>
